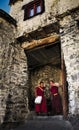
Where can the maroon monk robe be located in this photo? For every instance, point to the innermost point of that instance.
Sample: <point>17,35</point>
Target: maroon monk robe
<point>42,108</point>
<point>56,100</point>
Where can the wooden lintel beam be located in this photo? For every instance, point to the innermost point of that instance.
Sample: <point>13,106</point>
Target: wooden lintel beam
<point>40,42</point>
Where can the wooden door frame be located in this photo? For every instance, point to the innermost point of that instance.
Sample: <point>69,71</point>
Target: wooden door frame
<point>47,41</point>
<point>64,85</point>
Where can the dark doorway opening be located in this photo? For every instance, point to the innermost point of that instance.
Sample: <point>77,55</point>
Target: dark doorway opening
<point>44,63</point>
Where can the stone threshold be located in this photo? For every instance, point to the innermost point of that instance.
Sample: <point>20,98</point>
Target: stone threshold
<point>56,117</point>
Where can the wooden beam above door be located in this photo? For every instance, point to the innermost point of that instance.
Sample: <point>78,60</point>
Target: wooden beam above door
<point>41,42</point>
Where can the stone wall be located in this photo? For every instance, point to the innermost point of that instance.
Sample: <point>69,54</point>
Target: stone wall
<point>69,31</point>
<point>13,62</point>
<point>52,8</point>
<point>6,37</point>
<point>34,23</point>
<point>13,76</point>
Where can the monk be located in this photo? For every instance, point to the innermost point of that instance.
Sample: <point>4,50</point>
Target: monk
<point>42,107</point>
<point>56,99</point>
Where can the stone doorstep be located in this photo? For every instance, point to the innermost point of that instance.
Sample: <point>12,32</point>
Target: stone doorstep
<point>55,124</point>
<point>32,116</point>
<point>57,117</point>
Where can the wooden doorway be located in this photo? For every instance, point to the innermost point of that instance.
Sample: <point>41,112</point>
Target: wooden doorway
<point>45,63</point>
<point>65,95</point>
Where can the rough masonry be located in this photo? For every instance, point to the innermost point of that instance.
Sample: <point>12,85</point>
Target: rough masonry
<point>60,19</point>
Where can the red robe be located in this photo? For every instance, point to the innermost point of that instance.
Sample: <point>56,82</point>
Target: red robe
<point>56,100</point>
<point>41,107</point>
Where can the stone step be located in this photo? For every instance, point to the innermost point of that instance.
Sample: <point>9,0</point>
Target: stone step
<point>41,123</point>
<point>44,118</point>
<point>32,116</point>
<point>46,123</point>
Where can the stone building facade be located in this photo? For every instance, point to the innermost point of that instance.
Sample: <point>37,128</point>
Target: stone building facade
<point>43,46</point>
<point>13,68</point>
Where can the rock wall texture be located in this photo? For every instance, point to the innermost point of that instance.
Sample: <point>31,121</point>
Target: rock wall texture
<point>52,9</point>
<point>6,37</point>
<point>69,35</point>
<point>13,76</point>
<point>70,46</point>
<point>14,86</point>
